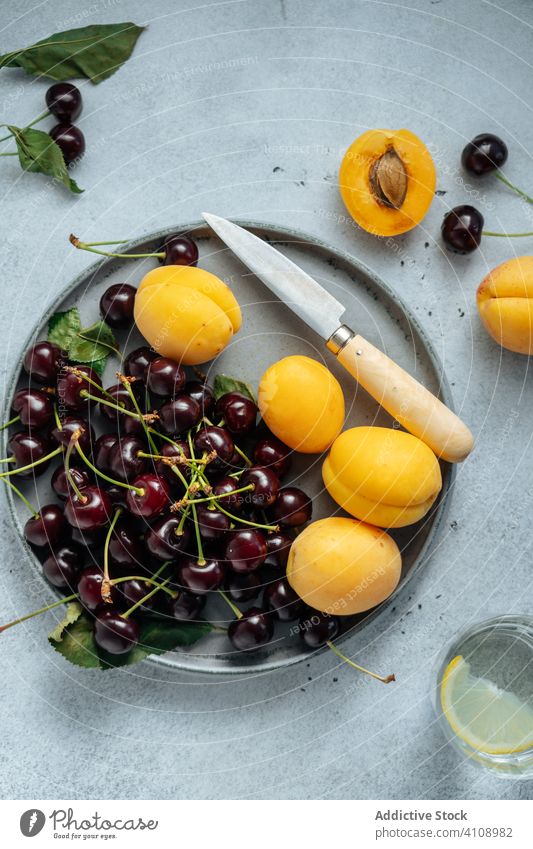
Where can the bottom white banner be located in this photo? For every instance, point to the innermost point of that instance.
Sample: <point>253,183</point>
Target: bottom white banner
<point>359,824</point>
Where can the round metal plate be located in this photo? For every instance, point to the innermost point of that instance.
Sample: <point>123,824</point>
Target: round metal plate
<point>271,331</point>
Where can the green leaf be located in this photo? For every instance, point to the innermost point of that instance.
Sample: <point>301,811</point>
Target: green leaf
<point>93,343</point>
<point>94,52</point>
<point>39,153</point>
<point>72,614</point>
<point>63,327</point>
<point>223,383</point>
<point>76,642</point>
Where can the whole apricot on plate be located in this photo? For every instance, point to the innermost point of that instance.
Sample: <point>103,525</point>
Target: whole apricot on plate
<point>505,304</point>
<point>387,180</point>
<point>340,566</point>
<point>186,313</point>
<point>302,404</point>
<point>383,476</point>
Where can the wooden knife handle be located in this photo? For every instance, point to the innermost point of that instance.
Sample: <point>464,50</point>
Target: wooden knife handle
<point>411,404</point>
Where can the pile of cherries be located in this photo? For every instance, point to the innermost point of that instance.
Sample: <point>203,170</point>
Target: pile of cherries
<point>179,500</point>
<point>64,103</point>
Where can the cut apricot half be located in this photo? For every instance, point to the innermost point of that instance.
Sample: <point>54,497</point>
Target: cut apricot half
<point>387,181</point>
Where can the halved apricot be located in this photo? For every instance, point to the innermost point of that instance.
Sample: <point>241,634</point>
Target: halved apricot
<point>387,181</point>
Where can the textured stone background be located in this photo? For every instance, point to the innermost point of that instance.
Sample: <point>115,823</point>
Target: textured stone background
<point>245,108</point>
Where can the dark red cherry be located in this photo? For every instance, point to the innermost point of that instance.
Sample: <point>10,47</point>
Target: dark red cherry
<point>179,449</point>
<point>280,597</point>
<point>200,579</point>
<point>462,228</point>
<point>485,153</point>
<point>317,628</point>
<point>278,547</point>
<point>292,508</point>
<point>187,606</point>
<point>165,377</point>
<point>90,512</point>
<point>166,540</point>
<point>89,539</point>
<point>274,455</point>
<point>70,387</point>
<point>214,439</point>
<point>124,461</point>
<point>28,448</point>
<point>113,633</point>
<point>125,548</point>
<point>180,250</point>
<point>120,396</point>
<point>63,566</point>
<point>34,407</point>
<point>116,305</point>
<point>232,503</point>
<point>73,424</point>
<point>179,414</point>
<point>70,140</point>
<point>203,394</point>
<point>265,484</point>
<point>238,411</point>
<point>246,550</point>
<point>90,587</point>
<point>102,447</point>
<point>60,482</point>
<point>64,101</point>
<point>242,587</point>
<point>43,362</point>
<point>253,630</point>
<point>117,495</point>
<point>153,499</point>
<point>137,362</point>
<point>127,593</point>
<point>213,524</point>
<point>48,528</point>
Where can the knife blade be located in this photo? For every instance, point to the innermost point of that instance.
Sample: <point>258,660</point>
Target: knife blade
<point>411,404</point>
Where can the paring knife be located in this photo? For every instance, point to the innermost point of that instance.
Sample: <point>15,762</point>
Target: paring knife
<point>411,404</point>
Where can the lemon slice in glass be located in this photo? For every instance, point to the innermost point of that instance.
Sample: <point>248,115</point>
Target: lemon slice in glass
<point>488,719</point>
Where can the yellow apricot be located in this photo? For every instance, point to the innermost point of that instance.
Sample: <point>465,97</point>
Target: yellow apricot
<point>383,476</point>
<point>186,313</point>
<point>340,566</point>
<point>505,304</point>
<point>302,403</point>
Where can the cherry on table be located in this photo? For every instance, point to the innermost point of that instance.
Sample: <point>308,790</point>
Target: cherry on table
<point>47,528</point>
<point>187,606</point>
<point>60,482</point>
<point>70,141</point>
<point>254,629</point>
<point>214,439</point>
<point>137,362</point>
<point>102,447</point>
<point>63,566</point>
<point>317,628</point>
<point>123,458</point>
<point>212,524</point>
<point>273,454</point>
<point>34,407</point>
<point>292,508</point>
<point>70,386</point>
<point>180,250</point>
<point>462,228</point>
<point>280,598</point>
<point>64,101</point>
<point>203,394</point>
<point>485,153</point>
<point>114,633</point>
<point>90,587</point>
<point>278,547</point>
<point>153,499</point>
<point>238,411</point>
<point>179,415</point>
<point>90,512</point>
<point>43,362</point>
<point>246,550</point>
<point>165,377</point>
<point>165,540</point>
<point>70,425</point>
<point>201,579</point>
<point>28,448</point>
<point>266,485</point>
<point>116,305</point>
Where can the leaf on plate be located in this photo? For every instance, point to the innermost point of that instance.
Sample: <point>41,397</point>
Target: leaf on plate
<point>223,383</point>
<point>93,343</point>
<point>94,52</point>
<point>76,642</point>
<point>72,614</point>
<point>37,152</point>
<point>63,327</point>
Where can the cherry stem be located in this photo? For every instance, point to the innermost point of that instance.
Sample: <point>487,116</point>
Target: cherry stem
<point>73,443</point>
<point>22,498</point>
<point>201,558</point>
<point>242,521</point>
<point>85,377</point>
<point>347,660</point>
<point>39,611</point>
<point>127,384</point>
<point>235,609</point>
<point>119,409</point>
<point>11,135</point>
<point>247,488</point>
<point>89,246</point>
<point>505,235</point>
<point>115,581</point>
<point>151,593</point>
<point>138,489</point>
<point>10,422</point>
<point>32,465</point>
<point>7,460</point>
<point>105,588</point>
<point>57,420</point>
<point>243,455</point>
<point>508,183</point>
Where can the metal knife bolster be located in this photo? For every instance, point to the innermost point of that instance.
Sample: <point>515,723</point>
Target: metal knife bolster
<point>339,339</point>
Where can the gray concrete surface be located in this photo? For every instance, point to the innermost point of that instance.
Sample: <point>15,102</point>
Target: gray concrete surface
<point>245,108</point>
